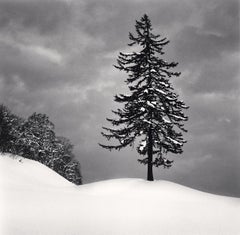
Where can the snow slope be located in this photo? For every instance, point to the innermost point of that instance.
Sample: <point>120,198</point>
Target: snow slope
<point>36,201</point>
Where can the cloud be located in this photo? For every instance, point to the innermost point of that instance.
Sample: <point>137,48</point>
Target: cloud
<point>29,65</point>
<point>49,54</point>
<point>43,16</point>
<point>223,20</point>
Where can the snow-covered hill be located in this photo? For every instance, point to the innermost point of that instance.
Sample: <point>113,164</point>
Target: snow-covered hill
<point>35,200</point>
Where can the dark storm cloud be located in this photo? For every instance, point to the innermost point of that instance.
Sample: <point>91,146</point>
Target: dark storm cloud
<point>195,45</point>
<point>219,74</point>
<point>214,77</point>
<point>223,19</point>
<point>35,72</point>
<point>41,45</point>
<point>109,19</point>
<point>218,33</point>
<point>210,48</point>
<point>45,16</point>
<point>56,58</point>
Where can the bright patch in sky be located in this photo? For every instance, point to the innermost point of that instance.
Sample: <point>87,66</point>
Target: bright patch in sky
<point>47,53</point>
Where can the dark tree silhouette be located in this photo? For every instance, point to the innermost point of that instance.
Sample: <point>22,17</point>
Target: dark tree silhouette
<point>9,124</point>
<point>152,113</point>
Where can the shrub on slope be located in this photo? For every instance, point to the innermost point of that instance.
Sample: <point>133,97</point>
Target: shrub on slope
<point>35,139</point>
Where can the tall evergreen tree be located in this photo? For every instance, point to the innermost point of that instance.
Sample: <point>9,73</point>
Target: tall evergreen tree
<point>152,113</point>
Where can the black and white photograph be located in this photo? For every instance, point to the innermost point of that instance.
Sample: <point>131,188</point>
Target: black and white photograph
<point>119,117</point>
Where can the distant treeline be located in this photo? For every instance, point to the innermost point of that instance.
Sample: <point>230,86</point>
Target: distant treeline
<point>34,138</point>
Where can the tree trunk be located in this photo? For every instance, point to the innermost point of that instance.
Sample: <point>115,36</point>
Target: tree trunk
<point>150,156</point>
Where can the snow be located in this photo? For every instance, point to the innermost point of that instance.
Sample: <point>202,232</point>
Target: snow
<point>166,120</point>
<point>142,145</point>
<point>150,104</point>
<point>37,201</point>
<point>178,117</point>
<point>170,98</point>
<point>174,141</point>
<point>145,120</point>
<point>161,91</point>
<point>164,84</point>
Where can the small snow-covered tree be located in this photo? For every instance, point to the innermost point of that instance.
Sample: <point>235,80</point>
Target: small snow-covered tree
<point>152,113</point>
<point>65,163</point>
<point>72,172</point>
<point>36,138</point>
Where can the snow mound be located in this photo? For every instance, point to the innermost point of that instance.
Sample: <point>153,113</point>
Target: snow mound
<point>35,200</point>
<point>23,172</point>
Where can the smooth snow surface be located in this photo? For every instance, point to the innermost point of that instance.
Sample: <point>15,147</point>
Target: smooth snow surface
<point>37,201</point>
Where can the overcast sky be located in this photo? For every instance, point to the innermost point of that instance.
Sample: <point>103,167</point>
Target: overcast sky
<point>56,58</point>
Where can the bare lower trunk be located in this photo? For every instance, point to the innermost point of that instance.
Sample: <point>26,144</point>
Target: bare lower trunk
<point>150,156</point>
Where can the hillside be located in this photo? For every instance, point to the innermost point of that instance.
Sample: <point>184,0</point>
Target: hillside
<point>35,200</point>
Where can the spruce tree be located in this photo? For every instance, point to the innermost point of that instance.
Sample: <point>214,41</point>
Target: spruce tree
<point>152,113</point>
